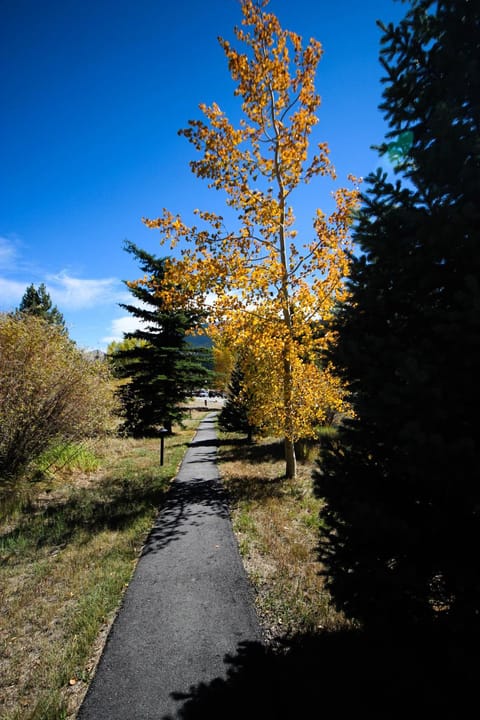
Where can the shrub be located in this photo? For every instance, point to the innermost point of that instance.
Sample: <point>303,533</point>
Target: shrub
<point>49,392</point>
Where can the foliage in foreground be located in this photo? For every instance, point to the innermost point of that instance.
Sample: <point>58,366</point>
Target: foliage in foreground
<point>50,392</point>
<point>401,485</point>
<point>264,290</point>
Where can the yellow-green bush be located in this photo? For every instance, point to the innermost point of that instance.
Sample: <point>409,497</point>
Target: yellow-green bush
<point>49,391</point>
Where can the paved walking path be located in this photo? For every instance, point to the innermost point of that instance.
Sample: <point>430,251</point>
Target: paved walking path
<point>188,605</point>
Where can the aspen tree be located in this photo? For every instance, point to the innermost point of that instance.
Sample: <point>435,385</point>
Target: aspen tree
<point>270,289</point>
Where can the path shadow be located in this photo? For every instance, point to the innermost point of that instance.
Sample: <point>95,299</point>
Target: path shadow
<point>212,442</point>
<point>187,502</point>
<point>338,675</point>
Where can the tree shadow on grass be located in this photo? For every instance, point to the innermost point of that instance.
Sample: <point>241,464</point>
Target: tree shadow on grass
<point>339,674</point>
<point>241,487</point>
<point>114,504</point>
<point>241,449</point>
<point>257,485</point>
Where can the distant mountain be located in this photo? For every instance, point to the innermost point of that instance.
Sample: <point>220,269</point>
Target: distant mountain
<point>199,341</point>
<point>94,354</point>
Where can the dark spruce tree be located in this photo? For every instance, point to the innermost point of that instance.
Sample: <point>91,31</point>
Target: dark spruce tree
<point>161,368</point>
<point>38,302</point>
<point>402,484</point>
<point>234,415</point>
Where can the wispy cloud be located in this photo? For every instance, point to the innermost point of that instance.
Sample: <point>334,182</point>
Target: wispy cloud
<point>74,293</point>
<point>66,290</point>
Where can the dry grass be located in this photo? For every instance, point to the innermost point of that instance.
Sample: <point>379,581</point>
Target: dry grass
<point>277,525</point>
<point>66,558</point>
<point>68,555</point>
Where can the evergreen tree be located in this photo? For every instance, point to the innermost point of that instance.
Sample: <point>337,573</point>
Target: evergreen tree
<point>402,491</point>
<point>161,367</point>
<point>234,415</point>
<point>39,303</point>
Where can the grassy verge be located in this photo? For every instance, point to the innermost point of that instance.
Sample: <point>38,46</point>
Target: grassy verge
<point>277,526</point>
<point>66,557</point>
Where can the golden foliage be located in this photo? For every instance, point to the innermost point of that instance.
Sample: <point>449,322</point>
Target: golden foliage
<point>269,291</point>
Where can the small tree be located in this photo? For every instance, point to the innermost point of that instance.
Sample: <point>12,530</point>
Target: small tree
<point>266,286</point>
<point>159,364</point>
<point>235,413</point>
<point>403,498</point>
<point>49,392</point>
<point>38,302</point>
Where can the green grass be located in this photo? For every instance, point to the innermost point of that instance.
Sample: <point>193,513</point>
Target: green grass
<point>63,459</point>
<point>67,456</point>
<point>66,558</point>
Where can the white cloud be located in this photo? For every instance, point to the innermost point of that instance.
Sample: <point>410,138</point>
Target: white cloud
<point>67,292</point>
<point>120,326</point>
<point>74,293</point>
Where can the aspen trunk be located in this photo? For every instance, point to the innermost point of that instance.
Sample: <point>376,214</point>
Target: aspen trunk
<point>290,459</point>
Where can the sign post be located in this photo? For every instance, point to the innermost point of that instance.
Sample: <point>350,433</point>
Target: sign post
<point>162,432</point>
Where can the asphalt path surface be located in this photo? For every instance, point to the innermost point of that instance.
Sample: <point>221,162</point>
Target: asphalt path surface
<point>188,607</point>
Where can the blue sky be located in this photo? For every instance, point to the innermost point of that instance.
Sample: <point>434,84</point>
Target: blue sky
<point>93,94</point>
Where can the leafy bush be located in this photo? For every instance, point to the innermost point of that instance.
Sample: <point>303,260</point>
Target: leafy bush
<point>49,392</point>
